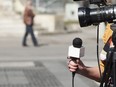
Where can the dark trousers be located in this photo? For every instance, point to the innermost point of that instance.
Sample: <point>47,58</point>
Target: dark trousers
<point>29,30</point>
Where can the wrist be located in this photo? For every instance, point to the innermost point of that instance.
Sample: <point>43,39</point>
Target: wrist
<point>82,70</point>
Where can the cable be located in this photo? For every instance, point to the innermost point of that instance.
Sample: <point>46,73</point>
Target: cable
<point>98,50</point>
<point>73,75</point>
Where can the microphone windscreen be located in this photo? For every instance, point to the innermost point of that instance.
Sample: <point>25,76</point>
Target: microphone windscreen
<point>77,42</point>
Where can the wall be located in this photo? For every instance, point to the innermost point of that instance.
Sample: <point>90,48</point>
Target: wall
<point>71,11</point>
<point>49,22</point>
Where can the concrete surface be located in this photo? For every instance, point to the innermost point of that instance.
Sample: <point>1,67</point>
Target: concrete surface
<point>46,65</point>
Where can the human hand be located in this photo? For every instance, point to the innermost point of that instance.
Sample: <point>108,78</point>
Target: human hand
<point>75,65</point>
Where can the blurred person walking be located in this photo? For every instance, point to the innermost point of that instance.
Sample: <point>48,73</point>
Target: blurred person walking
<point>28,20</point>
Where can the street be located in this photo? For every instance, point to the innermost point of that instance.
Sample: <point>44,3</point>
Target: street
<point>46,65</point>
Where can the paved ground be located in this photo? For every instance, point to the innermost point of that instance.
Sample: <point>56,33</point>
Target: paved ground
<point>44,66</point>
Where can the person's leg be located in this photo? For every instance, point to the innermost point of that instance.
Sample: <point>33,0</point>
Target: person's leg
<point>33,36</point>
<point>25,36</point>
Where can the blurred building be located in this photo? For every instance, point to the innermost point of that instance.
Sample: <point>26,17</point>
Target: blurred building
<point>10,18</point>
<point>48,10</point>
<point>49,6</point>
<point>42,6</point>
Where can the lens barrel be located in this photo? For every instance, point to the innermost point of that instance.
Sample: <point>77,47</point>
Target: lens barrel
<point>89,16</point>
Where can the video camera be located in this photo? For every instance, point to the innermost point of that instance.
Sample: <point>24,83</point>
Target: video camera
<point>104,13</point>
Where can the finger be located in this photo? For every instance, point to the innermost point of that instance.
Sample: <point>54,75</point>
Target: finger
<point>72,67</point>
<point>72,70</point>
<point>72,63</point>
<point>77,61</point>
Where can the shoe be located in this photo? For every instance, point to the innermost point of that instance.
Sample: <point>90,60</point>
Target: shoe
<point>25,45</point>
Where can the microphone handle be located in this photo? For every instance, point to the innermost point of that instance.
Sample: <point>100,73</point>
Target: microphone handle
<point>73,74</point>
<point>74,59</point>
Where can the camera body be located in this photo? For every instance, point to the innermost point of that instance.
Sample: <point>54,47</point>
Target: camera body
<point>104,13</point>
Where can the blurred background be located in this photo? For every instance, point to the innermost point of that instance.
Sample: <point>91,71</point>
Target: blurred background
<point>62,14</point>
<point>52,16</point>
<point>56,24</point>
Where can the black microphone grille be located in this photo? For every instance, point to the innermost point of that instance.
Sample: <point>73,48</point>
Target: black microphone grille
<point>77,42</point>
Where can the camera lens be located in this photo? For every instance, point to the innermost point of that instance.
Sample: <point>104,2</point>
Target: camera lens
<point>84,16</point>
<point>89,16</point>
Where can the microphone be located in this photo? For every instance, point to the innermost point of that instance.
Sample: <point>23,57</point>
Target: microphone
<point>76,50</point>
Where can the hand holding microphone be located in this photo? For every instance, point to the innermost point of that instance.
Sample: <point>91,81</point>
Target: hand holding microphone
<point>75,52</point>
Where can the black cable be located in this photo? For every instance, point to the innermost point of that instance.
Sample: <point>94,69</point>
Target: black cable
<point>98,50</point>
<point>73,75</point>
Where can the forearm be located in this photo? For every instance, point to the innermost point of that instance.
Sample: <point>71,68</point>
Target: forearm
<point>90,72</point>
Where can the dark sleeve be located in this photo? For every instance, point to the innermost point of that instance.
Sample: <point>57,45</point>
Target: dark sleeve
<point>107,45</point>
